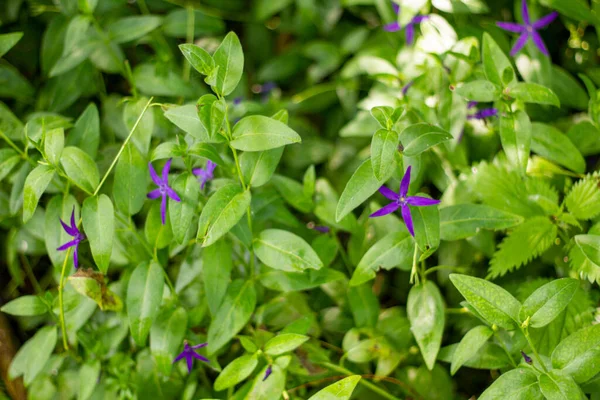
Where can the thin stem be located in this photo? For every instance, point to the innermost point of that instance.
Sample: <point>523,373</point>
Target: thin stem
<point>13,145</point>
<point>189,39</point>
<point>414,273</point>
<point>503,345</point>
<point>363,382</point>
<point>61,304</point>
<point>343,252</point>
<point>30,274</point>
<point>123,146</point>
<point>442,267</point>
<point>526,333</point>
<point>129,75</point>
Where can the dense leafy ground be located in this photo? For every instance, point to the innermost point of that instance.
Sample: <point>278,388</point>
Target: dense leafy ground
<point>310,199</point>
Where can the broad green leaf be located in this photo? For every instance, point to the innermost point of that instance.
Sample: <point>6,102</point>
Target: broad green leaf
<point>131,181</point>
<point>91,284</point>
<point>8,40</point>
<point>552,144</point>
<point>285,251</point>
<point>166,335</point>
<point>229,58</point>
<point>211,113</point>
<point>364,305</point>
<point>425,309</point>
<point>36,183</point>
<point>556,385</point>
<point>86,132</point>
<point>144,294</point>
<point>583,201</point>
<point>464,220</point>
<point>484,91</point>
<point>586,137</point>
<point>547,302</point>
<point>426,222</point>
<point>515,134</point>
<point>175,24</point>
<point>216,272</point>
<point>33,355</point>
<point>143,132</point>
<point>362,125</point>
<point>8,160</point>
<point>578,354</point>
<point>25,306</point>
<point>259,133</point>
<point>533,93</point>
<point>159,235</point>
<point>236,371</point>
<point>186,118</point>
<point>585,256</point>
<point>297,281</point>
<point>80,167</point>
<point>469,346</point>
<point>54,142</point>
<point>420,137</point>
<point>517,384</point>
<point>293,193</point>
<point>326,202</point>
<point>258,166</point>
<point>341,390</point>
<point>284,343</point>
<point>494,303</point>
<point>395,249</point>
<point>198,58</point>
<point>132,28</point>
<point>98,217</point>
<point>87,379</point>
<point>222,211</point>
<point>490,356</point>
<point>153,79</point>
<point>495,62</point>
<point>207,151</point>
<point>267,389</point>
<point>182,212</point>
<point>383,148</point>
<point>233,314</point>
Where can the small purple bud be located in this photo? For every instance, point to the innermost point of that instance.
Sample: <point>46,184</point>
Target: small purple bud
<point>268,372</point>
<point>318,228</point>
<point>406,87</point>
<point>527,359</point>
<point>237,101</point>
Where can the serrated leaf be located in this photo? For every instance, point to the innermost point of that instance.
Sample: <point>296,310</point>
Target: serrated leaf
<point>585,256</point>
<point>583,201</point>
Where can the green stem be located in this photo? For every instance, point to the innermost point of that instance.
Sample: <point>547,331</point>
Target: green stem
<point>129,75</point>
<point>31,275</point>
<point>189,39</point>
<point>414,273</point>
<point>61,304</point>
<point>526,333</point>
<point>503,345</point>
<point>363,382</point>
<point>343,252</point>
<point>122,147</point>
<point>442,267</point>
<point>14,146</point>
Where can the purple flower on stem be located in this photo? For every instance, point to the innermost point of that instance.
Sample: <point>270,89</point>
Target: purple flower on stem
<point>410,27</point>
<point>527,359</point>
<point>205,174</point>
<point>403,201</point>
<point>78,236</point>
<point>268,372</point>
<point>163,190</point>
<point>528,29</point>
<point>189,354</point>
<point>483,113</point>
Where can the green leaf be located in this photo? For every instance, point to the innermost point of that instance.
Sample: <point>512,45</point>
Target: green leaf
<point>8,40</point>
<point>159,235</point>
<point>586,137</point>
<point>426,312</point>
<point>585,256</point>
<point>8,160</point>
<point>144,294</point>
<point>469,346</point>
<point>578,354</point>
<point>298,281</point>
<point>395,249</point>
<point>484,91</point>
<point>25,306</point>
<point>515,134</point>
<point>547,302</point>
<point>198,58</point>
<point>285,251</point>
<point>364,305</point>
<point>91,284</point>
<point>495,62</point>
<point>35,185</point>
<point>54,142</point>
<point>525,242</point>
<point>583,201</point>
<point>383,149</point>
<point>236,371</point>
<point>556,385</point>
<point>166,336</point>
<point>426,221</point>
<point>259,133</point>
<point>259,166</point>
<point>229,58</point>
<point>33,355</point>
<point>293,193</point>
<point>494,303</point>
<point>490,356</point>
<point>87,379</point>
<point>80,167</point>
<point>284,343</point>
<point>341,390</point>
<point>552,144</point>
<point>132,28</point>
<point>267,389</point>
<point>86,132</point>
<point>222,211</point>
<point>533,93</point>
<point>142,135</point>
<point>234,313</point>
<point>182,212</point>
<point>131,181</point>
<point>465,220</point>
<point>517,384</point>
<point>186,118</point>
<point>216,272</point>
<point>420,137</point>
<point>98,217</point>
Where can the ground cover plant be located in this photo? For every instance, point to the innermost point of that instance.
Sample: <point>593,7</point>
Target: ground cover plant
<point>299,199</point>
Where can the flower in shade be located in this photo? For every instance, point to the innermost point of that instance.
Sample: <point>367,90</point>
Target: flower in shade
<point>403,201</point>
<point>483,113</point>
<point>528,29</point>
<point>163,190</point>
<point>527,359</point>
<point>268,372</point>
<point>410,27</point>
<point>318,228</point>
<point>205,174</point>
<point>238,100</point>
<point>189,354</point>
<point>78,236</point>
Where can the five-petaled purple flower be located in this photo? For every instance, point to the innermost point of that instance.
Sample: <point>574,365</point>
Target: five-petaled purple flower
<point>268,372</point>
<point>205,174</point>
<point>189,354</point>
<point>403,201</point>
<point>483,113</point>
<point>78,236</point>
<point>528,29</point>
<point>163,189</point>
<point>410,27</point>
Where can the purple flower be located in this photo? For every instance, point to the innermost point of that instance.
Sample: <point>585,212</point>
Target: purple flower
<point>268,372</point>
<point>238,100</point>
<point>483,113</point>
<point>402,201</point>
<point>205,174</point>
<point>78,236</point>
<point>410,27</point>
<point>471,104</point>
<point>163,188</point>
<point>189,354</point>
<point>527,359</point>
<point>406,87</point>
<point>318,228</point>
<point>528,29</point>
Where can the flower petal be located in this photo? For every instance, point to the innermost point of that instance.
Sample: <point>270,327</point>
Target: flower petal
<point>405,183</point>
<point>199,346</point>
<point>519,44</point>
<point>408,220</point>
<point>410,33</point>
<point>392,27</point>
<point>73,224</point>
<point>545,20</point>
<point>172,194</point>
<point>179,357</point>
<point>390,208</point>
<point>163,209</point>
<point>199,357</point>
<point>539,43</point>
<point>67,245</point>
<point>511,27</point>
<point>190,362</point>
<point>67,228</point>
<point>210,167</point>
<point>389,193</point>
<point>396,7</point>
<point>76,256</point>
<point>155,194</point>
<point>199,171</point>
<point>525,12</point>
<point>165,171</point>
<point>153,175</point>
<point>419,201</point>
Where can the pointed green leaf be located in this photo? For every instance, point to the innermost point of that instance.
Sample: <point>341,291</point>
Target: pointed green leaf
<point>464,220</point>
<point>98,217</point>
<point>547,302</point>
<point>229,58</point>
<point>420,137</point>
<point>469,346</point>
<point>36,183</point>
<point>144,294</point>
<point>259,133</point>
<point>285,251</point>
<point>341,390</point>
